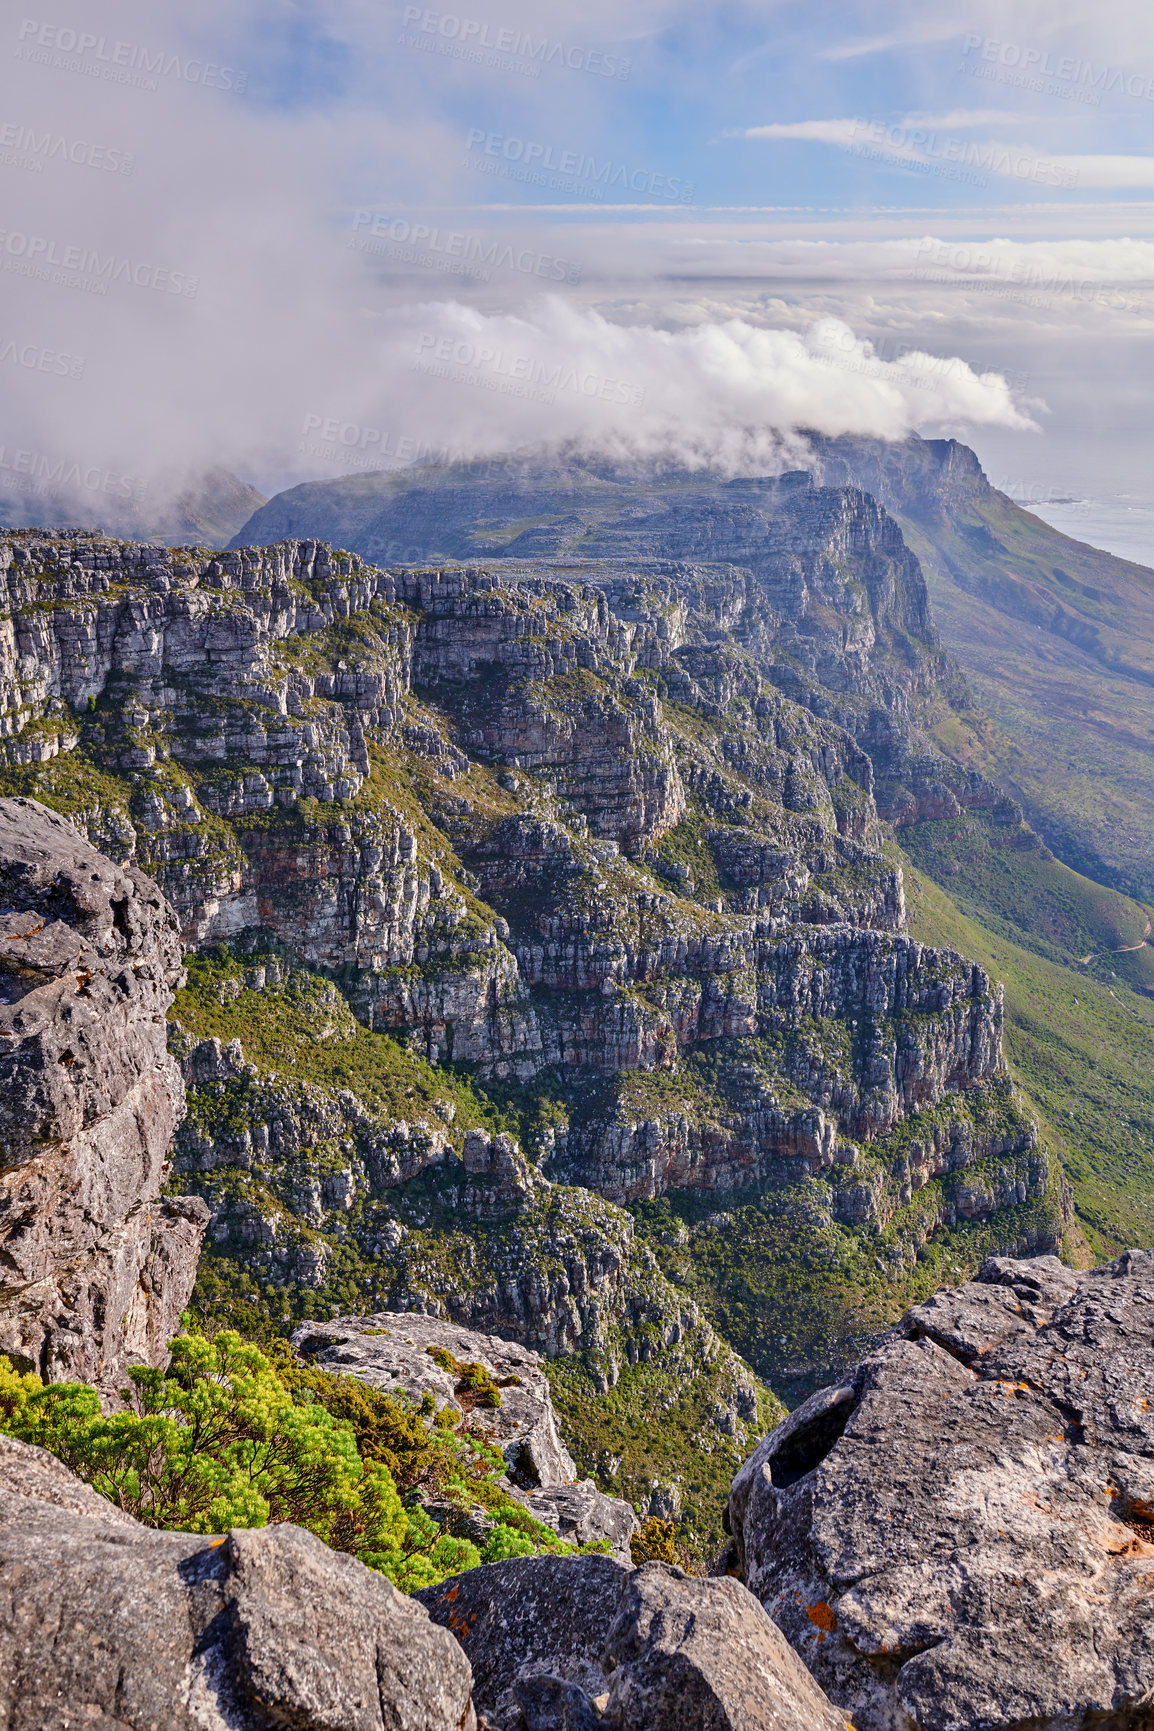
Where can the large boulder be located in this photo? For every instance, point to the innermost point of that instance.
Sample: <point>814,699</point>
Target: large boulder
<point>530,1618</point>
<point>961,1534</point>
<point>107,1623</point>
<point>685,1654</point>
<point>393,1350</point>
<point>582,1643</point>
<point>95,1267</point>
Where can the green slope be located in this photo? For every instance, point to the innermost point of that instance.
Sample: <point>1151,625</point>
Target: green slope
<point>1083,1052</point>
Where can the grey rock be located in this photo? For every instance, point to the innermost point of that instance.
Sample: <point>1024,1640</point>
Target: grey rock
<point>530,1617</point>
<point>96,1268</point>
<point>687,1653</point>
<point>108,1623</point>
<point>572,1643</point>
<point>962,1534</point>
<point>582,1514</point>
<point>390,1350</point>
<point>548,1704</point>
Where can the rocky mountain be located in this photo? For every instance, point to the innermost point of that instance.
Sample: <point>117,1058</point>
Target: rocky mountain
<point>526,901</point>
<point>1056,638</point>
<point>962,1532</point>
<point>97,1267</point>
<point>204,510</point>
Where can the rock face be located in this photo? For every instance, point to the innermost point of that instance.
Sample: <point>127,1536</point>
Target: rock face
<point>96,1267</point>
<point>106,1622</point>
<point>962,1535</point>
<point>575,1643</point>
<point>392,1352</point>
<point>601,821</point>
<point>683,1652</point>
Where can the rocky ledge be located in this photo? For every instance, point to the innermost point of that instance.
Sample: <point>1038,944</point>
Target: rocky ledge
<point>961,1534</point>
<point>425,1357</point>
<point>108,1623</point>
<point>94,1267</point>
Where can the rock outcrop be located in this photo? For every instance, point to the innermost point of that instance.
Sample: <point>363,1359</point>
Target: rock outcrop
<point>399,1353</point>
<point>96,1266</point>
<point>106,1622</point>
<point>600,824</point>
<point>961,1535</point>
<point>418,1356</point>
<point>576,1643</point>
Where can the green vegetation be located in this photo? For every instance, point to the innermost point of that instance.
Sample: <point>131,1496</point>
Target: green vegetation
<point>998,872</point>
<point>1083,1053</point>
<point>234,1437</point>
<point>299,1025</point>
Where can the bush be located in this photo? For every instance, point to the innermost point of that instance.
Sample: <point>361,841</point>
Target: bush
<point>655,1541</point>
<point>232,1436</point>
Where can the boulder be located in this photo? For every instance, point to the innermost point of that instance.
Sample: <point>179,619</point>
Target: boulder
<point>581,1643</point>
<point>527,1619</point>
<point>961,1534</point>
<point>582,1514</point>
<point>95,1267</point>
<point>686,1653</point>
<point>390,1350</point>
<point>104,1622</point>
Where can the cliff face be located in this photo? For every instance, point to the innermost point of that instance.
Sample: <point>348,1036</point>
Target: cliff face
<point>561,825</point>
<point>96,1268</point>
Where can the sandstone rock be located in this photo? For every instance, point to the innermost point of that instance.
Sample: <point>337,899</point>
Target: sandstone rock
<point>530,1618</point>
<point>106,1622</point>
<point>96,1266</point>
<point>688,1653</point>
<point>961,1535</point>
<point>390,1350</point>
<point>582,1514</point>
<point>569,1644</point>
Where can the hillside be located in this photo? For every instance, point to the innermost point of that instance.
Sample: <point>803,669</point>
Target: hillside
<point>551,966</point>
<point>1056,639</point>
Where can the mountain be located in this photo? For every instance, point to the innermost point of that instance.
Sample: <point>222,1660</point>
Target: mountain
<point>548,954</point>
<point>1056,638</point>
<point>203,512</point>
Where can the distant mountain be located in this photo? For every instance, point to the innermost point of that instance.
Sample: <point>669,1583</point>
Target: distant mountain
<point>205,512</point>
<point>1055,637</point>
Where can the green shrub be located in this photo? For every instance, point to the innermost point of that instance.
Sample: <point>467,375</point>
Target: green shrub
<point>232,1436</point>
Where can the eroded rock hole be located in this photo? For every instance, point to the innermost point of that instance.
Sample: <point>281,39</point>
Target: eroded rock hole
<point>808,1447</point>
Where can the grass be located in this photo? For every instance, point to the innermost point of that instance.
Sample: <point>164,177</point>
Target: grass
<point>998,872</point>
<point>1083,1053</point>
<point>303,1029</point>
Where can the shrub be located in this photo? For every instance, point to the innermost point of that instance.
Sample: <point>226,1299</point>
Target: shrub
<point>655,1541</point>
<point>231,1436</point>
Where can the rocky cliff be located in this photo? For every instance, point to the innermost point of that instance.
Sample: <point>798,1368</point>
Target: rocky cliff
<point>523,893</point>
<point>961,1534</point>
<point>96,1267</point>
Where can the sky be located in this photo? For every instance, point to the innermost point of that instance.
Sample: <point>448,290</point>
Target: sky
<point>307,240</point>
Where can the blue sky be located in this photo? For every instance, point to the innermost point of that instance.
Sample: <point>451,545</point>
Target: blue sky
<point>728,222</point>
